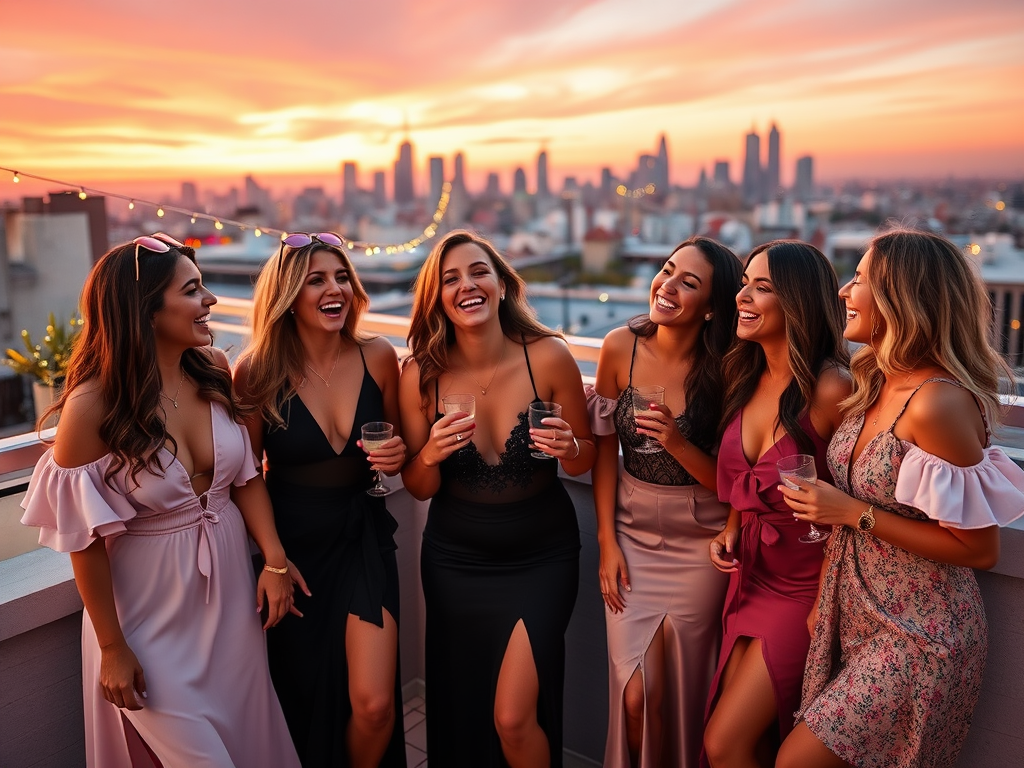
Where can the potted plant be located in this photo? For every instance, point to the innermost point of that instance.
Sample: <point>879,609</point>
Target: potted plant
<point>47,361</point>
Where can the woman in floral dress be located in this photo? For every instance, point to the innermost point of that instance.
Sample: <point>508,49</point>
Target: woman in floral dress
<point>896,662</point>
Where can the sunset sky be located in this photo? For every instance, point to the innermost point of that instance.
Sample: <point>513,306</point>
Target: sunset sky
<point>122,94</point>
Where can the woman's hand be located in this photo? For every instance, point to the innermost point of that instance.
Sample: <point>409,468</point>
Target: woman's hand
<point>276,590</point>
<point>659,423</point>
<point>555,439</point>
<point>447,435</point>
<point>822,504</point>
<point>297,581</point>
<point>121,676</point>
<point>723,549</point>
<point>389,458</point>
<point>612,574</point>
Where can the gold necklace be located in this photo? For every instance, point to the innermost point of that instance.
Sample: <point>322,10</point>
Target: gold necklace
<point>327,381</point>
<point>888,402</point>
<point>483,389</point>
<point>174,400</point>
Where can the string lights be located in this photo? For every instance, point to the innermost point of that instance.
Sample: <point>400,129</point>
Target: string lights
<point>623,191</point>
<point>353,244</point>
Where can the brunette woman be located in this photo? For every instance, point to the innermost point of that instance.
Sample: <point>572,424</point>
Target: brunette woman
<point>899,644</point>
<point>314,380</point>
<point>152,488</point>
<point>500,558</point>
<point>785,377</point>
<point>657,516</point>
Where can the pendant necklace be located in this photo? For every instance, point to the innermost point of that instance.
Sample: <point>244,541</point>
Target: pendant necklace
<point>327,381</point>
<point>888,402</point>
<point>483,389</point>
<point>174,400</point>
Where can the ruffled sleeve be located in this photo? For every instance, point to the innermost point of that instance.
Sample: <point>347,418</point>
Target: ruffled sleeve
<point>74,507</point>
<point>990,492</point>
<point>249,467</point>
<point>602,412</point>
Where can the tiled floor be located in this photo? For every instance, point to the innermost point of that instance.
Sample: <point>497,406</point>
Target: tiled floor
<point>415,713</point>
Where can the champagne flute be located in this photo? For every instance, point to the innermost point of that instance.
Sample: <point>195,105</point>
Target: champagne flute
<point>375,434</point>
<point>643,397</point>
<point>538,412</point>
<point>800,466</point>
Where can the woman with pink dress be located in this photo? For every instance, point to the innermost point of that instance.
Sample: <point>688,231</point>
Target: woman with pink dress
<point>900,636</point>
<point>152,487</point>
<point>785,376</point>
<point>657,513</point>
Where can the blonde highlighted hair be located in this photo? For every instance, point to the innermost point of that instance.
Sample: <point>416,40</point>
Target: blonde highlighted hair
<point>936,312</point>
<point>431,333</point>
<point>274,356</point>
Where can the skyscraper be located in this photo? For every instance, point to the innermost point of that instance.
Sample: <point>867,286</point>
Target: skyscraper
<point>380,192</point>
<point>404,190</point>
<point>519,182</point>
<point>493,190</point>
<point>459,179</point>
<point>721,177</point>
<point>436,178</point>
<point>804,189</point>
<point>771,180</point>
<point>349,185</point>
<point>752,169</point>
<point>661,167</point>
<point>542,175</point>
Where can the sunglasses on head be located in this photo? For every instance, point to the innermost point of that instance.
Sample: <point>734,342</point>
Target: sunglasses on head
<point>157,243</point>
<point>302,239</point>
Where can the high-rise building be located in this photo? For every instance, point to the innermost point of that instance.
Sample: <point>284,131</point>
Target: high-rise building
<point>380,191</point>
<point>804,189</point>
<point>459,178</point>
<point>404,190</point>
<point>519,182</point>
<point>752,169</point>
<point>542,175</point>
<point>257,197</point>
<point>661,168</point>
<point>436,178</point>
<point>608,183</point>
<point>771,175</point>
<point>721,177</point>
<point>493,190</point>
<point>349,185</point>
<point>189,195</point>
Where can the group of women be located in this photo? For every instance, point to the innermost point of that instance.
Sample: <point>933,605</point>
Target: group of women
<point>163,470</point>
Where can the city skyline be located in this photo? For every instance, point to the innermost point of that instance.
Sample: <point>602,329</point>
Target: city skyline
<point>917,89</point>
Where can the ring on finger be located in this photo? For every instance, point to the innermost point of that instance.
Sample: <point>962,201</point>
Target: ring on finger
<point>458,438</point>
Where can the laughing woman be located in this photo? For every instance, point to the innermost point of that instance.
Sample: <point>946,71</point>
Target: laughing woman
<point>315,380</point>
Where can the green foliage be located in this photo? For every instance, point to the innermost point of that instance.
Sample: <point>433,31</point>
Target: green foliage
<point>47,360</point>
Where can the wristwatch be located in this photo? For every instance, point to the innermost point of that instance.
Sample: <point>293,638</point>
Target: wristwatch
<point>867,519</point>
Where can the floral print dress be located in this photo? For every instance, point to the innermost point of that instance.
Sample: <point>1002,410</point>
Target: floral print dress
<point>895,666</point>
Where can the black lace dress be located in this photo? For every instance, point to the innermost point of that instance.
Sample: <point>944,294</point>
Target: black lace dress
<point>501,544</point>
<point>341,539</point>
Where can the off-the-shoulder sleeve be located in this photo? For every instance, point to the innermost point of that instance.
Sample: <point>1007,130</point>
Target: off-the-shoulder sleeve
<point>248,468</point>
<point>601,410</point>
<point>73,507</point>
<point>990,492</point>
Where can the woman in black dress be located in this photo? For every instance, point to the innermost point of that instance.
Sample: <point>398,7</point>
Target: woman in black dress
<point>315,380</point>
<point>500,560</point>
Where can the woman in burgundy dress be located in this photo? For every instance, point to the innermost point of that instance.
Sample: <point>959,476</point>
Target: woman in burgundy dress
<point>786,375</point>
<point>899,646</point>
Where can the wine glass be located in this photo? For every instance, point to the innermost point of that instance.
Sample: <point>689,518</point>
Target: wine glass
<point>643,397</point>
<point>457,403</point>
<point>375,434</point>
<point>539,411</point>
<point>800,466</point>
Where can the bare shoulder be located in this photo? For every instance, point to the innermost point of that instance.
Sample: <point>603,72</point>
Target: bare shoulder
<point>945,420</point>
<point>218,357</point>
<point>834,385</point>
<point>618,342</point>
<point>78,439</point>
<point>379,351</point>
<point>549,350</point>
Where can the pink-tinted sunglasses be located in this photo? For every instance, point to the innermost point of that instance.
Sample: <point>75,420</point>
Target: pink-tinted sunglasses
<point>158,242</point>
<point>302,239</point>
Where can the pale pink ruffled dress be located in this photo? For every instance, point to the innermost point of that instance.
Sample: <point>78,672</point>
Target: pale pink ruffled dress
<point>895,667</point>
<point>186,600</point>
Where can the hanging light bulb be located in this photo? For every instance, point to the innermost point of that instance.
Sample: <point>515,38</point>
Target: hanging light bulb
<point>16,177</point>
<point>258,232</point>
<point>160,212</point>
<point>81,193</point>
<point>131,205</point>
<point>218,225</point>
<point>193,218</point>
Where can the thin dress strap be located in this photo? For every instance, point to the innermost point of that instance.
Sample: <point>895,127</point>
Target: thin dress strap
<point>632,359</point>
<point>954,382</point>
<point>363,357</point>
<point>533,384</point>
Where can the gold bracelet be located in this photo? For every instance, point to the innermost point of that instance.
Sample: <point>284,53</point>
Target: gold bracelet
<point>278,571</point>
<point>578,449</point>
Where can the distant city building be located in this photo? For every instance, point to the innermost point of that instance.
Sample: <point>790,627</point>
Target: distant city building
<point>258,197</point>
<point>646,171</point>
<point>493,190</point>
<point>661,179</point>
<point>459,179</point>
<point>380,190</point>
<point>608,183</point>
<point>189,195</point>
<point>752,169</point>
<point>721,177</point>
<point>349,185</point>
<point>519,182</point>
<point>436,178</point>
<point>771,175</point>
<point>404,189</point>
<point>804,189</point>
<point>542,175</point>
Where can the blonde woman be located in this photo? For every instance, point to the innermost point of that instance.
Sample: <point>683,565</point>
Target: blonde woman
<point>500,558</point>
<point>314,380</point>
<point>895,666</point>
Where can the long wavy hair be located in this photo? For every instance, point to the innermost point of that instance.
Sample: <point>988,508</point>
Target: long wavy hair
<point>275,358</point>
<point>936,312</point>
<point>704,383</point>
<point>431,333</point>
<point>808,293</point>
<point>117,349</point>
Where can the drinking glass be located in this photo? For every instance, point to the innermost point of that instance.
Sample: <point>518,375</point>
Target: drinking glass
<point>800,466</point>
<point>642,399</point>
<point>375,434</point>
<point>456,403</point>
<point>539,411</point>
